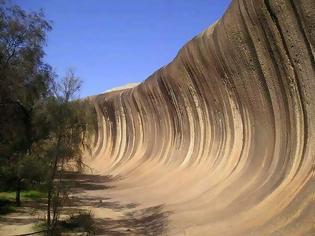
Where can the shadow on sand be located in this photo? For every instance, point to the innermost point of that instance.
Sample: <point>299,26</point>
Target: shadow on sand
<point>147,221</point>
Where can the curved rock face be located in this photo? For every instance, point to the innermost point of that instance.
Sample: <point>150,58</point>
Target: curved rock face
<point>223,136</point>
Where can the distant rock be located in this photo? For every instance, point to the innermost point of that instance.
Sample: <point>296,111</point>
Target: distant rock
<point>126,86</point>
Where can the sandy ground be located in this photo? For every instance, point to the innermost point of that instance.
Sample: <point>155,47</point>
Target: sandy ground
<point>17,223</point>
<point>89,193</point>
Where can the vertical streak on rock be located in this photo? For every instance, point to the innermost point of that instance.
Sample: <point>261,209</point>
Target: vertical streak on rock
<point>223,136</point>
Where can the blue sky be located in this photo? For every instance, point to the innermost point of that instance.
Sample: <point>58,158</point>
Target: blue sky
<point>110,43</point>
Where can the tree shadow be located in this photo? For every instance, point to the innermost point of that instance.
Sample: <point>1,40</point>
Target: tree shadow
<point>100,202</point>
<point>78,182</point>
<point>22,215</point>
<point>16,221</point>
<point>26,214</point>
<point>131,221</point>
<point>147,221</point>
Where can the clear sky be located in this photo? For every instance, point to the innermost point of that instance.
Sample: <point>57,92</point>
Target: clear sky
<point>110,43</point>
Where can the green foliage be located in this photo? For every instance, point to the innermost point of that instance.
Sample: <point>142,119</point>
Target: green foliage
<point>25,79</point>
<point>7,196</point>
<point>68,126</point>
<point>32,168</point>
<point>25,195</point>
<point>33,194</point>
<point>25,83</point>
<point>43,124</point>
<point>7,199</point>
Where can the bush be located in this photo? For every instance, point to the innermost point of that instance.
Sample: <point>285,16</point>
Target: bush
<point>82,222</point>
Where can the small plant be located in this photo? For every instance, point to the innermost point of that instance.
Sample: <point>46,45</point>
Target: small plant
<point>82,222</point>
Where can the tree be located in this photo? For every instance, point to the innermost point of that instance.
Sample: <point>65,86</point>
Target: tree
<point>69,122</point>
<point>25,82</point>
<point>44,127</point>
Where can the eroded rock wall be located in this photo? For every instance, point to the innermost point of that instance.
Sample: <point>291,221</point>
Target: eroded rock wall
<point>223,136</point>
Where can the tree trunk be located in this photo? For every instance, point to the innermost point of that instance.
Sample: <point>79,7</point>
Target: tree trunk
<point>51,184</point>
<point>18,192</point>
<point>48,206</point>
